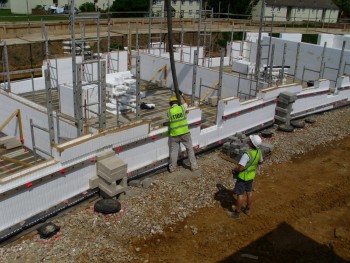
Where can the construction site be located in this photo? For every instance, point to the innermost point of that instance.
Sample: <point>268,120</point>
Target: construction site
<point>91,123</point>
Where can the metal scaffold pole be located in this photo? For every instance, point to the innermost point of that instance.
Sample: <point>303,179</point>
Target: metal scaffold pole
<point>258,48</point>
<point>194,82</point>
<point>6,67</point>
<point>76,90</point>
<point>149,26</point>
<point>49,106</point>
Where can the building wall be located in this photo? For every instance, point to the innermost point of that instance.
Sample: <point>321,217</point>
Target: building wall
<point>185,9</point>
<point>20,6</point>
<point>296,14</point>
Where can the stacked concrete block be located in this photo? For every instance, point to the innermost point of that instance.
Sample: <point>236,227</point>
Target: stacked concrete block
<point>10,142</point>
<point>284,108</point>
<point>237,145</point>
<point>213,101</point>
<point>112,174</point>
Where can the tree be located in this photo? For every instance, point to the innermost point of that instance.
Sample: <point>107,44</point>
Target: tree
<point>242,7</point>
<point>130,8</point>
<point>344,6</point>
<point>87,7</point>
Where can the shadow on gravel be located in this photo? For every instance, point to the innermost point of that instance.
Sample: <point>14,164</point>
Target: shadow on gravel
<point>285,244</point>
<point>225,197</point>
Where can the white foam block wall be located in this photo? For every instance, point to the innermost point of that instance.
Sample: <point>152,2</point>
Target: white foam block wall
<point>122,61</point>
<point>20,206</point>
<point>150,65</point>
<point>235,49</point>
<point>310,56</point>
<point>253,37</point>
<point>23,86</point>
<point>37,113</point>
<point>291,37</point>
<point>40,197</point>
<point>323,38</point>
<point>339,39</point>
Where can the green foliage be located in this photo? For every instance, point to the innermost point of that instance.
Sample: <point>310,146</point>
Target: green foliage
<point>87,7</point>
<point>38,7</point>
<point>309,38</point>
<point>117,47</point>
<point>3,1</point>
<point>344,6</point>
<point>130,8</point>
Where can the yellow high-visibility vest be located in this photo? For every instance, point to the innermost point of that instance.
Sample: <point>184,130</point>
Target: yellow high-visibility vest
<point>177,121</point>
<point>249,171</point>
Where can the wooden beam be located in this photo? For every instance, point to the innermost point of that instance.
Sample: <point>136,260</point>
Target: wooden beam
<point>11,160</point>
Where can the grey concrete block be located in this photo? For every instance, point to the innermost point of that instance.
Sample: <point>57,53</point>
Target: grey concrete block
<point>226,147</point>
<point>213,101</point>
<point>123,182</point>
<point>236,145</point>
<point>232,138</point>
<point>104,155</point>
<point>12,144</point>
<point>280,120</point>
<point>111,177</point>
<point>6,139</point>
<point>93,182</point>
<point>239,135</point>
<point>287,96</point>
<point>246,140</point>
<point>147,182</point>
<point>282,113</point>
<point>112,165</point>
<point>108,190</point>
<point>135,183</point>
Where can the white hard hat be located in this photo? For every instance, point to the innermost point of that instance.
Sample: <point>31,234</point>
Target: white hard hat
<point>256,140</point>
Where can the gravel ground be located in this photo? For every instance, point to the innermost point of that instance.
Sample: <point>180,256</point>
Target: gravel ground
<point>87,236</point>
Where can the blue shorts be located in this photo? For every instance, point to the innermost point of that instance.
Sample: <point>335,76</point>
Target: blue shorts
<point>243,186</point>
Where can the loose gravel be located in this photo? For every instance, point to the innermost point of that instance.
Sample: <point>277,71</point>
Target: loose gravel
<point>86,236</point>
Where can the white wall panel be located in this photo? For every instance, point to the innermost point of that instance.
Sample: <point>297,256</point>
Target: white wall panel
<point>40,197</point>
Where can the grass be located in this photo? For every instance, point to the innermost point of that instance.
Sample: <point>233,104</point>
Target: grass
<point>7,16</point>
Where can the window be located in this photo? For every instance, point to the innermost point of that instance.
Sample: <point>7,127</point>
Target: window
<point>189,12</point>
<point>174,2</point>
<point>182,2</point>
<point>197,12</point>
<point>182,12</point>
<point>191,2</point>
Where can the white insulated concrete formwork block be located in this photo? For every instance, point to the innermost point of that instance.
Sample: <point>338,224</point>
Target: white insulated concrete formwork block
<point>322,83</point>
<point>343,81</point>
<point>104,155</point>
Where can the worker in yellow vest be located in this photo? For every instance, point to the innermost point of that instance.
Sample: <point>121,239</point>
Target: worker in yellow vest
<point>179,133</point>
<point>245,174</point>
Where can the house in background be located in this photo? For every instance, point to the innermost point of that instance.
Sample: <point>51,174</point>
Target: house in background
<point>26,6</point>
<point>180,8</point>
<point>298,10</point>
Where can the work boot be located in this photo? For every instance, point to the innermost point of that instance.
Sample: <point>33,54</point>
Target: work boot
<point>246,210</point>
<point>234,214</point>
<point>194,168</point>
